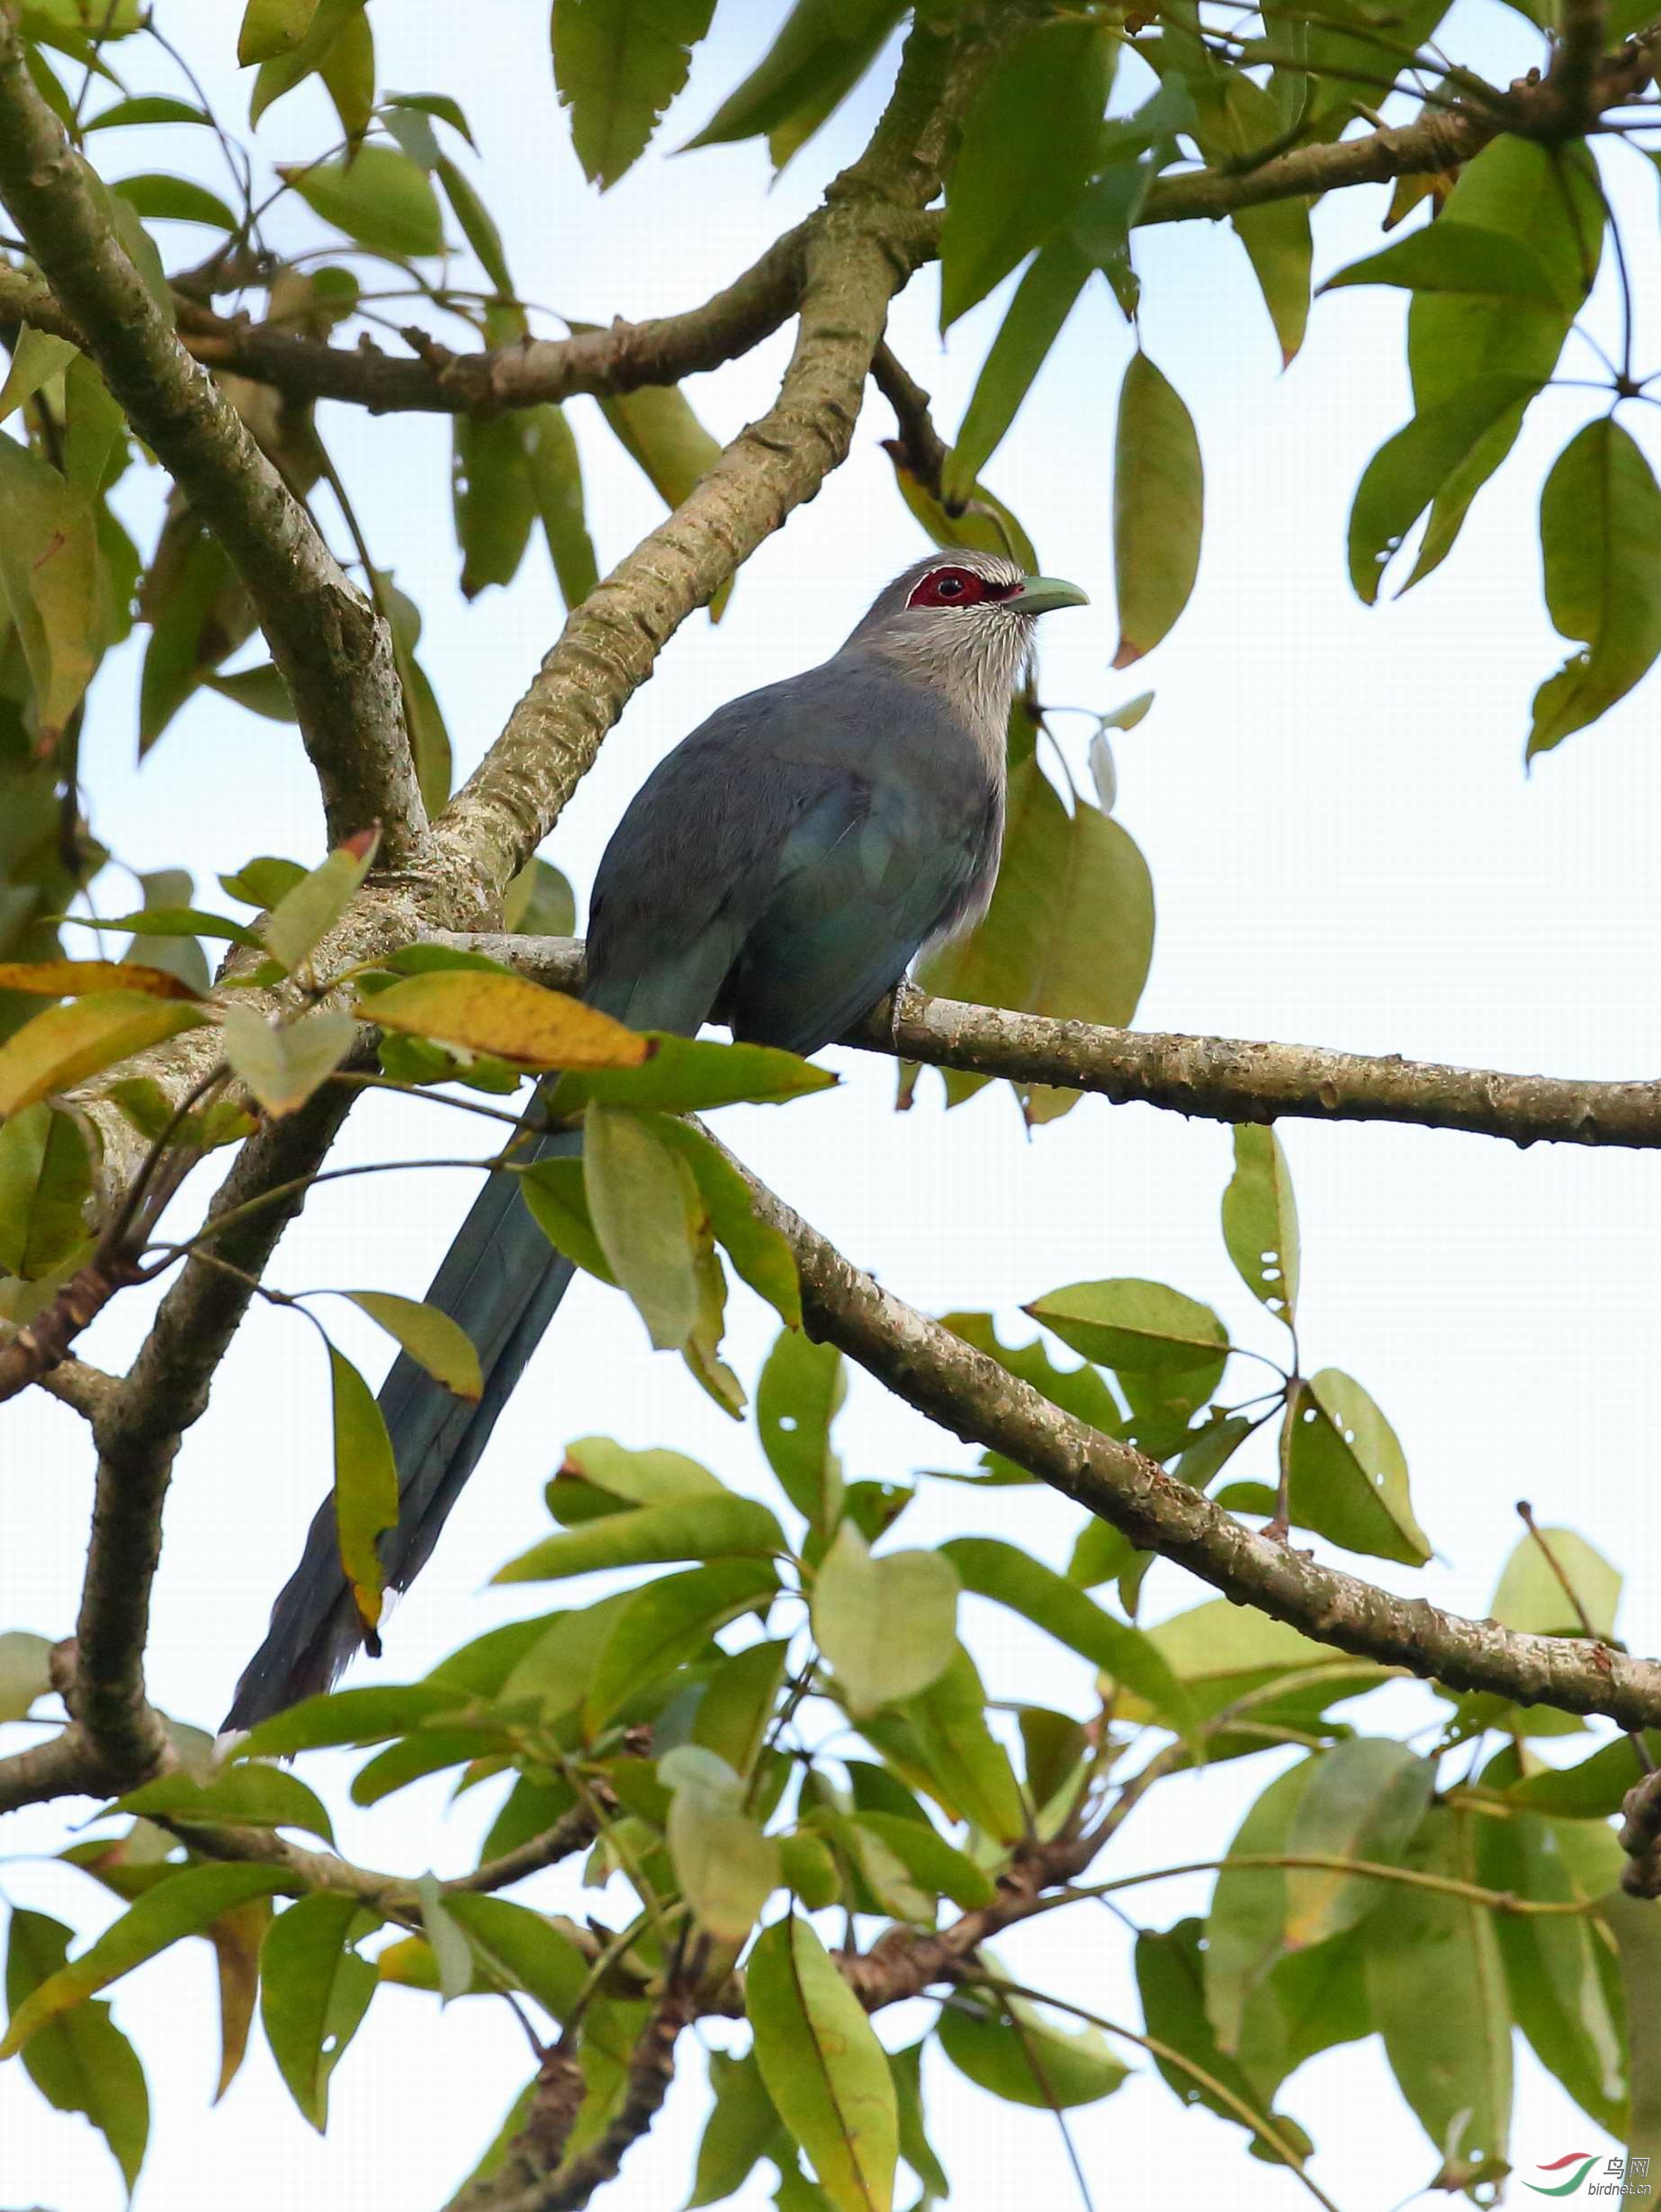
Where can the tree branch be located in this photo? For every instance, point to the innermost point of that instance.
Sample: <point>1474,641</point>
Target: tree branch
<point>859,252</point>
<point>324,635</point>
<point>1211,1078</point>
<point>969,1394</point>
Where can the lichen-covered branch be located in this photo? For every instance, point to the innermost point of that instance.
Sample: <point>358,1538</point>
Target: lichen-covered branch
<point>972,1396</point>
<point>1212,1078</point>
<point>325,636</point>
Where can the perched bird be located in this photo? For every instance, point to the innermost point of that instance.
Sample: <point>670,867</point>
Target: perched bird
<point>778,871</point>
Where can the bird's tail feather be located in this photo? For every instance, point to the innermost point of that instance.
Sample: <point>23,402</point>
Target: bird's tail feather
<point>502,1281</point>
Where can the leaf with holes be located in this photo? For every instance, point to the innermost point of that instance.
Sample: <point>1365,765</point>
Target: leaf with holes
<point>1260,1219</point>
<point>1349,1477</point>
<point>824,2067</point>
<point>801,1388</point>
<point>314,1991</point>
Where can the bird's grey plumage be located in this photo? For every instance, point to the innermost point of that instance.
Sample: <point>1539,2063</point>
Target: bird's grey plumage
<point>778,871</point>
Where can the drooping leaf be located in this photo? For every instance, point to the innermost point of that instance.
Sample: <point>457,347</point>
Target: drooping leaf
<point>25,1672</point>
<point>1364,1801</point>
<point>1451,2058</point>
<point>822,50</point>
<point>431,1338</point>
<point>801,1388</point>
<point>742,2126</point>
<point>1260,1219</point>
<point>727,1868</point>
<point>1171,1979</point>
<point>738,1703</point>
<point>555,474</point>
<point>1349,1476</point>
<point>79,2061</point>
<point>1631,1921</point>
<point>1600,532</point>
<point>967,1769</point>
<point>66,1044</point>
<point>273,27</point>
<point>1158,509</point>
<point>1028,147</point>
<point>824,2067</point>
<point>756,1249</point>
<point>658,429</point>
<point>46,1181</point>
<point>1007,2046</point>
<point>365,1484</point>
<point>181,1905</point>
<point>617,64</point>
<point>888,1625</point>
<point>237,1936</point>
<point>314,1991</point>
<point>645,1209</point>
<point>1042,303</point>
<point>1245,1926</point>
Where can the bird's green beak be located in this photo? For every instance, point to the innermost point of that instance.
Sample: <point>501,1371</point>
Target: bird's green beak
<point>1041,595</point>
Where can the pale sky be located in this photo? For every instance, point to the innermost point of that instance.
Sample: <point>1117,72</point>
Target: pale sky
<point>1345,852</point>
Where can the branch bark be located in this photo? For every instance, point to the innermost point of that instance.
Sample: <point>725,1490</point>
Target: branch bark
<point>969,1394</point>
<point>324,634</point>
<point>1210,1078</point>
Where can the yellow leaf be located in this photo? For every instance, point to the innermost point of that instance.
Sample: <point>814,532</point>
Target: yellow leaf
<point>506,1015</point>
<point>67,1043</point>
<point>70,979</point>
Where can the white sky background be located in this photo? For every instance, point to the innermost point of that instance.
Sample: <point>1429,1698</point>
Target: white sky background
<point>1346,851</point>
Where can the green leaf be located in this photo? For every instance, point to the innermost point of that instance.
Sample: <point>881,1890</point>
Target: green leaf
<point>629,1478</point>
<point>1051,1603</point>
<point>756,1249</point>
<point>984,525</point>
<point>1600,533</point>
<point>1451,2058</point>
<point>824,2067</point>
<point>478,228</point>
<point>66,1044</point>
<point>810,1871</point>
<point>381,198</point>
<point>738,1705</point>
<point>172,921</point>
<point>314,1991</point>
<point>691,1528</point>
<point>1439,448</point>
<point>1042,303</point>
<point>822,52</point>
<point>658,431</point>
<point>263,690</point>
<point>1245,1930</point>
<point>1131,1325</point>
<point>1171,1979</point>
<point>37,356</point>
<point>437,103</point>
<point>889,1626</point>
<point>1158,509</point>
<point>273,27</point>
<point>175,199</point>
<point>283,1066</point>
<point>347,1716</point>
<point>453,1955</point>
<point>506,1015</point>
<point>1637,1944</point>
<point>687,1074</point>
<point>181,1905</point>
<point>249,1794</point>
<point>1349,1477</point>
<point>494,499</point>
<point>1026,154</point>
<point>1282,251</point>
<point>1260,1219</point>
<point>617,64</point>
<point>670,1622</point>
<point>365,1484</point>
<point>1530,1595</point>
<point>906,2067</point>
<point>525,1949</point>
<point>305,914</point>
<point>25,1672</point>
<point>1594,1789</point>
<point>1008,2047</point>
<point>727,1868</point>
<point>1078,1391</point>
<point>428,733</point>
<point>555,474</point>
<point>80,2061</point>
<point>741,2128</point>
<point>967,1766</point>
<point>1450,255</point>
<point>1556,1964</point>
<point>432,1339</point>
<point>801,1388</point>
<point>46,1181</point>
<point>645,1206</point>
<point>1365,1800</point>
<point>146,108</point>
<point>937,1866</point>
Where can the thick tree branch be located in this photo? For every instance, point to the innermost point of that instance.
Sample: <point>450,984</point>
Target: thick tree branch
<point>859,252</point>
<point>1212,1078</point>
<point>922,1362</point>
<point>324,634</point>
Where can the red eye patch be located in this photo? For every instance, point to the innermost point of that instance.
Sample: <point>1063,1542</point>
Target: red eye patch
<point>958,588</point>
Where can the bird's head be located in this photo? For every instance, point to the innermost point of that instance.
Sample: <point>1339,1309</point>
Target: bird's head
<point>962,622</point>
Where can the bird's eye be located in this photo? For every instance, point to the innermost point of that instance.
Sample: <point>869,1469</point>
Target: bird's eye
<point>950,588</point>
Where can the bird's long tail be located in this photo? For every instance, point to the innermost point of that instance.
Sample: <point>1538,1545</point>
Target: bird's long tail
<point>502,1281</point>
